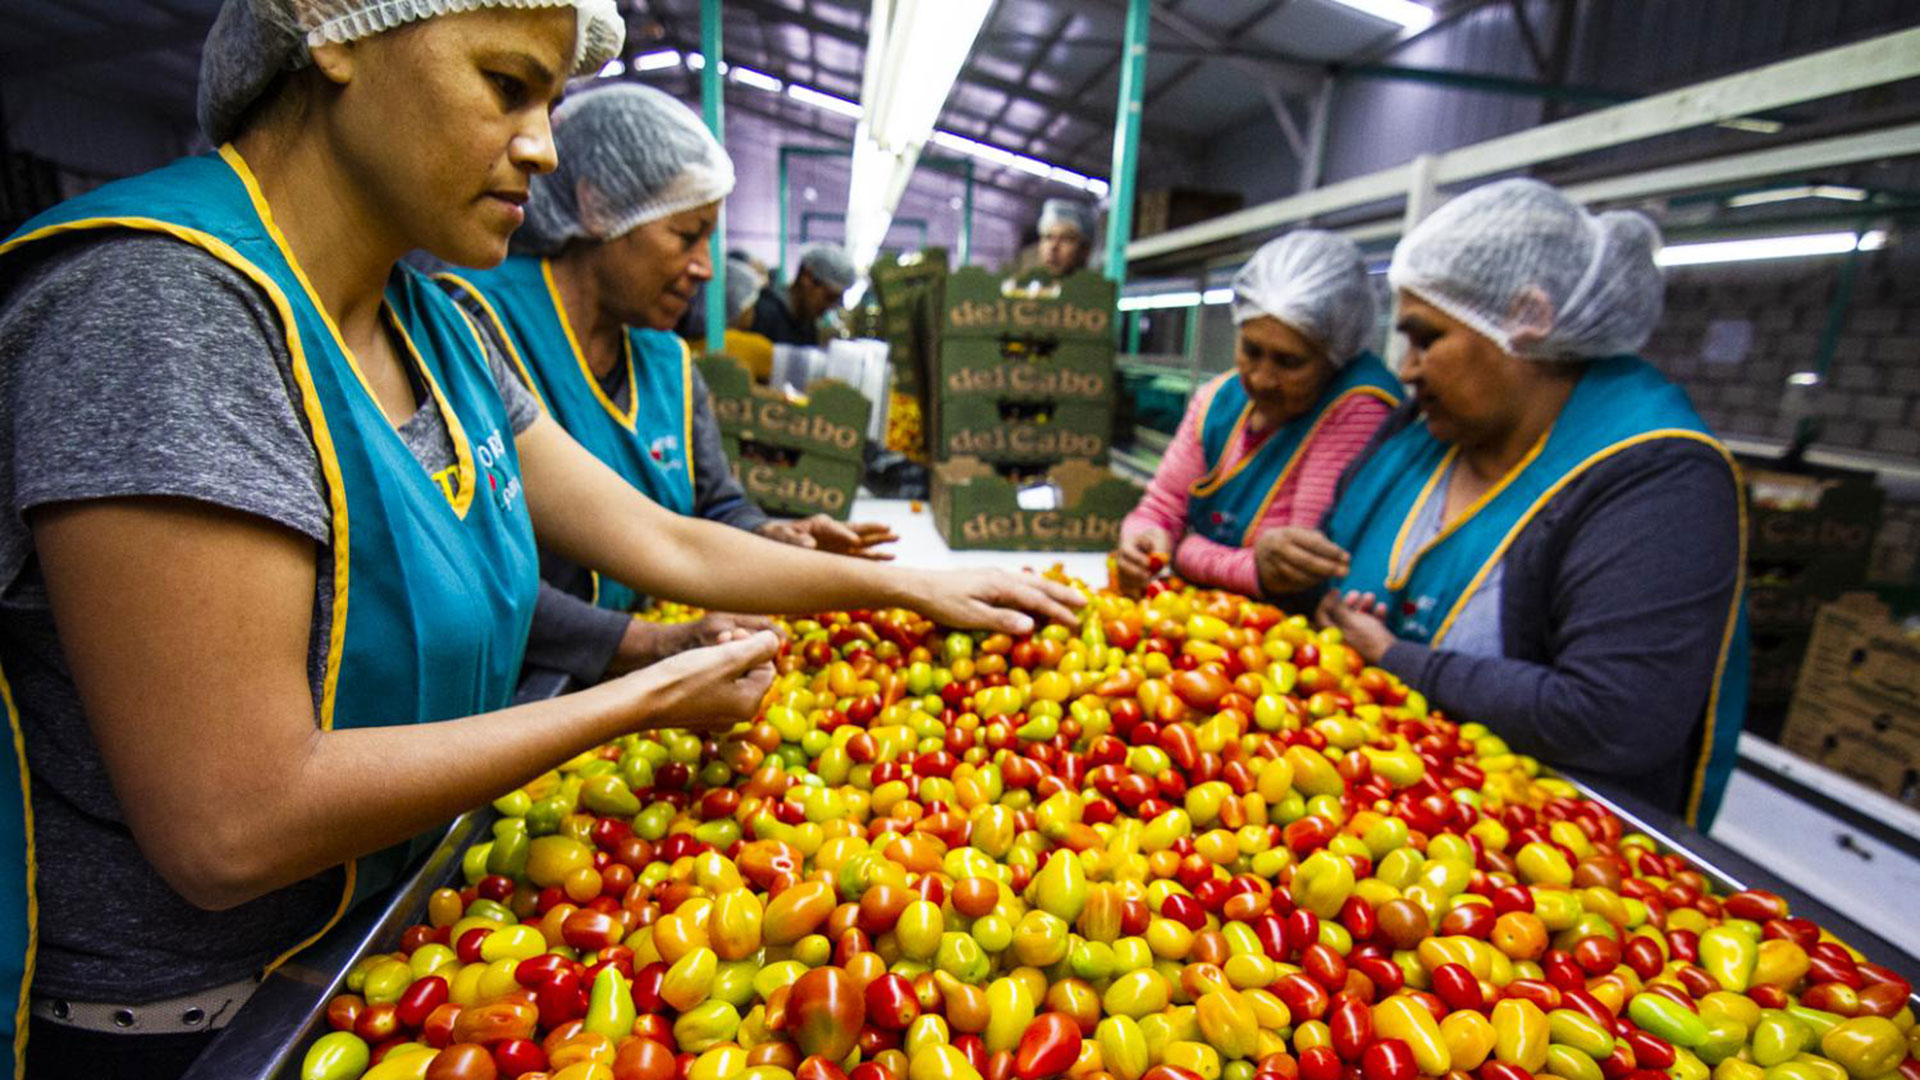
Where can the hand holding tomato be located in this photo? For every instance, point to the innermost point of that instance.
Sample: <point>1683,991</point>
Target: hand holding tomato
<point>1140,556</point>
<point>1360,617</point>
<point>708,689</point>
<point>1291,558</point>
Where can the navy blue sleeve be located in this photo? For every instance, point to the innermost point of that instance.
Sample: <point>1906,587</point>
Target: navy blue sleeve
<point>1629,589</point>
<point>573,636</point>
<point>717,496</point>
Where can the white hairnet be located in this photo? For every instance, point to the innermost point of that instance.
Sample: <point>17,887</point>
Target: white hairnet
<point>253,41</point>
<point>629,154</point>
<point>1315,282</point>
<point>1535,272</point>
<point>830,265</point>
<point>743,286</point>
<point>1067,212</point>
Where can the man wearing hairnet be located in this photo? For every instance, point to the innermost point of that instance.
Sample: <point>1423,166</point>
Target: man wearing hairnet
<point>792,316</point>
<point>1547,538</point>
<point>1066,236</point>
<point>1253,465</point>
<point>613,252</point>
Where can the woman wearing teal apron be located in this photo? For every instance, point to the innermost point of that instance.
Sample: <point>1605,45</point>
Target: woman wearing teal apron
<point>1548,539</point>
<point>614,247</point>
<point>1254,463</point>
<point>268,548</point>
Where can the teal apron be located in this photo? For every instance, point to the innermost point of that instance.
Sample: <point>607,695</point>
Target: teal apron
<point>434,579</point>
<point>1227,508</point>
<point>650,443</point>
<point>1619,403</point>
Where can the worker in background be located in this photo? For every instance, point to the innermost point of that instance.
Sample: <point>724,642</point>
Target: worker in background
<point>613,247</point>
<point>1547,538</point>
<point>1253,466</point>
<point>755,353</point>
<point>268,504</point>
<point>792,316</point>
<point>1066,237</point>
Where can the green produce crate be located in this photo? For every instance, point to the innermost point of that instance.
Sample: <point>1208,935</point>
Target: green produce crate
<point>979,304</point>
<point>974,506</point>
<point>831,422</point>
<point>794,482</point>
<point>999,428</point>
<point>1015,367</point>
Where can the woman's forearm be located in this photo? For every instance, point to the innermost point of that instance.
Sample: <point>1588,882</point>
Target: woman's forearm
<point>1204,562</point>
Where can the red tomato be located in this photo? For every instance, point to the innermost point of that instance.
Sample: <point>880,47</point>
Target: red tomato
<point>1388,1059</point>
<point>517,1057</point>
<point>1048,1047</point>
<point>825,1012</point>
<point>463,1061</point>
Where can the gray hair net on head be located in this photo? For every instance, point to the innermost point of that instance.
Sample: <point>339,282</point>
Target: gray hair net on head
<point>1535,272</point>
<point>830,265</point>
<point>629,155</point>
<point>1316,283</point>
<point>253,41</point>
<point>1067,212</point>
<point>743,286</point>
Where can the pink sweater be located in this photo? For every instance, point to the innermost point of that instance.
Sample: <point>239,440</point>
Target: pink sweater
<point>1302,499</point>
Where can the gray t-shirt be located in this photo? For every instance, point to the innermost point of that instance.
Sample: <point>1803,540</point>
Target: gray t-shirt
<point>132,364</point>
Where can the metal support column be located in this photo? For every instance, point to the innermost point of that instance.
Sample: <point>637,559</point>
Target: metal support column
<point>1126,137</point>
<point>713,110</point>
<point>966,219</point>
<point>1317,133</point>
<point>1423,193</point>
<point>1807,429</point>
<point>1133,333</point>
<point>786,193</point>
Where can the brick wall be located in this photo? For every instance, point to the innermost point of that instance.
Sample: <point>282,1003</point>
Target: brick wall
<point>1871,401</point>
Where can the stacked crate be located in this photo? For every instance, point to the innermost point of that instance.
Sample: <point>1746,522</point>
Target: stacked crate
<point>1024,372</point>
<point>793,456</point>
<point>1809,534</point>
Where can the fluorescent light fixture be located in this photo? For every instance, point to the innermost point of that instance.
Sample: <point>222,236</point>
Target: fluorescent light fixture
<point>1217,296</point>
<point>657,61</point>
<point>697,62</point>
<point>1770,247</point>
<point>1408,14</point>
<point>1157,301</point>
<point>613,68</point>
<point>1097,187</point>
<point>915,50</point>
<point>1804,378</point>
<point>1800,191</point>
<point>807,95</point>
<point>1753,124</point>
<point>759,80</point>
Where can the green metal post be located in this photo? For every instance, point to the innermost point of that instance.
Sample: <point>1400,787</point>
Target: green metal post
<point>713,110</point>
<point>966,218</point>
<point>1133,333</point>
<point>1808,429</point>
<point>1126,137</point>
<point>780,270</point>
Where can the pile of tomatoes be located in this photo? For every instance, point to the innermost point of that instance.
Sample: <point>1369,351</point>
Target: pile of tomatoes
<point>1189,839</point>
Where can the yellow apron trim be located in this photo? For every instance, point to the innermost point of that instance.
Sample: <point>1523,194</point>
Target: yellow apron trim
<point>686,410</point>
<point>500,328</point>
<point>1397,575</point>
<point>33,874</point>
<point>625,417</point>
<point>462,498</point>
<point>1698,787</point>
<point>462,452</point>
<point>322,443</point>
<point>1300,452</point>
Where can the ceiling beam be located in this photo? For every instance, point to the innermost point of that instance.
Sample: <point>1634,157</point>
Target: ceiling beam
<point>1069,104</point>
<point>1191,66</point>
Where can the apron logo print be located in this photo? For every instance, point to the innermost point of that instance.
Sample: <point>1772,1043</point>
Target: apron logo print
<point>665,451</point>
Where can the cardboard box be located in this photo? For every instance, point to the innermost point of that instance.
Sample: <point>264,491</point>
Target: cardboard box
<point>1811,514</point>
<point>1856,707</point>
<point>1004,429</point>
<point>1162,209</point>
<point>1018,368</point>
<point>976,507</point>
<point>1776,657</point>
<point>832,421</point>
<point>910,288</point>
<point>982,305</point>
<point>794,483</point>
